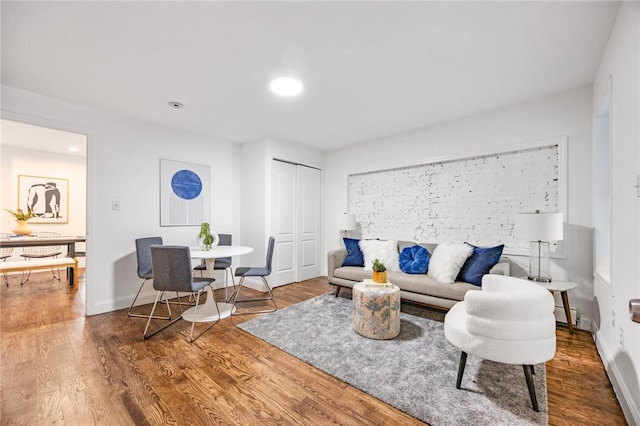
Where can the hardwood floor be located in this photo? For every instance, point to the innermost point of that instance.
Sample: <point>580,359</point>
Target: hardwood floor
<point>59,367</point>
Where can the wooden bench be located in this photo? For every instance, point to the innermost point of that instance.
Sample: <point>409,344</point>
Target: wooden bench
<point>40,264</point>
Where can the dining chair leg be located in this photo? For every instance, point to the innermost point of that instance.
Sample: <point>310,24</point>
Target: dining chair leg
<point>54,274</point>
<point>146,336</point>
<point>195,314</point>
<point>22,280</point>
<point>189,303</point>
<point>228,272</point>
<point>236,301</point>
<point>132,315</point>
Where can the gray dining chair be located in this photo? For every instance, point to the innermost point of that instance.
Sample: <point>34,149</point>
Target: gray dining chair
<point>223,263</point>
<point>172,272</point>
<point>42,252</point>
<point>262,272</point>
<point>145,270</point>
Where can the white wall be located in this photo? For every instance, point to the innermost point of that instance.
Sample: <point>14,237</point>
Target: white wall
<point>617,337</point>
<point>123,164</point>
<point>257,159</point>
<point>17,161</point>
<point>567,114</point>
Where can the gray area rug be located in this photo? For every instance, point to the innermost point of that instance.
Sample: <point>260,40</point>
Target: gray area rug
<point>415,372</point>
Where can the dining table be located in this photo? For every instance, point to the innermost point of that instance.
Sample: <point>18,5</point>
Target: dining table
<point>27,241</point>
<point>207,311</point>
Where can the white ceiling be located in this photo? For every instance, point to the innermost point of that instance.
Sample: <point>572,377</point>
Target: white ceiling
<point>371,69</point>
<point>26,136</point>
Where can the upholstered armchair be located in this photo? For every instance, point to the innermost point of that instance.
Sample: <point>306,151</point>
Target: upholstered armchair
<point>510,321</point>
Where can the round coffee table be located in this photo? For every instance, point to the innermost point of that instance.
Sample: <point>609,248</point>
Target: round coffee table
<point>376,310</point>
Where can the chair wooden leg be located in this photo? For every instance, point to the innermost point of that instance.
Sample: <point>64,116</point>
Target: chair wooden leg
<point>532,390</point>
<point>461,366</point>
<point>336,293</point>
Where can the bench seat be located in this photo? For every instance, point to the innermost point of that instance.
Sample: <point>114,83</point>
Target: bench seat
<point>40,264</point>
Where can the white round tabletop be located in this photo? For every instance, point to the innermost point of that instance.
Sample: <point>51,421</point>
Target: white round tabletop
<point>220,251</point>
<point>559,285</point>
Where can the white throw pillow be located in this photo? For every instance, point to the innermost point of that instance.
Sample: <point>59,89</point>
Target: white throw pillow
<point>447,260</point>
<point>385,251</point>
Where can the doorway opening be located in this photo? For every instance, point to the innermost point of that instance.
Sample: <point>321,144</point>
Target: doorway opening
<point>36,160</point>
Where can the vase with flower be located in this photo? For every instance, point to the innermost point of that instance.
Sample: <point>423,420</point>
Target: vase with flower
<point>379,274</point>
<point>21,218</point>
<point>207,240</point>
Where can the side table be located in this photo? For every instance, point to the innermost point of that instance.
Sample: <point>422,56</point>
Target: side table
<point>563,287</point>
<point>376,310</point>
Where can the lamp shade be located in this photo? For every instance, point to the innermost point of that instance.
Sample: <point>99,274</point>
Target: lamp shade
<point>346,221</point>
<point>539,226</point>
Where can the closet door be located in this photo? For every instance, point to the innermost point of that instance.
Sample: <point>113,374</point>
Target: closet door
<point>296,195</point>
<point>308,222</point>
<point>283,223</point>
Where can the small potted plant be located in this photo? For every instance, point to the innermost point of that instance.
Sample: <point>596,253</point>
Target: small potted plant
<point>207,239</point>
<point>379,274</point>
<point>21,217</point>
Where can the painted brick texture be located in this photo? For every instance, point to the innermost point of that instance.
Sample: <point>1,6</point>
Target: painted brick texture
<point>473,199</point>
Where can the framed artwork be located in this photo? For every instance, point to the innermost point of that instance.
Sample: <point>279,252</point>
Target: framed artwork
<point>185,193</point>
<point>46,197</point>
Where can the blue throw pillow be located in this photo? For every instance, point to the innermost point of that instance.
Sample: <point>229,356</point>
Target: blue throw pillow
<point>414,260</point>
<point>479,263</point>
<point>354,254</point>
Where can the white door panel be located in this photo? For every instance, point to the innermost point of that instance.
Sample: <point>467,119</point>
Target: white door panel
<point>309,254</point>
<point>296,222</point>
<point>308,236</point>
<point>284,257</point>
<point>284,223</point>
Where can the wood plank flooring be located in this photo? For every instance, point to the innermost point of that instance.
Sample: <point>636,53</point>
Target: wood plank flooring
<point>58,366</point>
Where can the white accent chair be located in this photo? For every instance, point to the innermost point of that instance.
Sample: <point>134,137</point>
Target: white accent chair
<point>510,321</point>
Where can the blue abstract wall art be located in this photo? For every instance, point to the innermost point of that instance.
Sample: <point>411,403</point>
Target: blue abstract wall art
<point>184,193</point>
<point>186,184</point>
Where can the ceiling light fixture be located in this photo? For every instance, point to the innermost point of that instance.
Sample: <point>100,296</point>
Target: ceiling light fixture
<point>286,86</point>
<point>73,148</point>
<point>176,105</point>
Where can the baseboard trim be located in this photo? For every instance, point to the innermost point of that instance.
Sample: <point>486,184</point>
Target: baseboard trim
<point>562,317</point>
<point>144,298</point>
<point>629,407</point>
<point>254,283</point>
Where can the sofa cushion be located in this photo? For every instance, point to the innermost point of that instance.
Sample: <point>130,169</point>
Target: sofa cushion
<point>354,254</point>
<point>384,250</point>
<point>447,260</point>
<point>414,260</point>
<point>429,246</point>
<point>424,284</point>
<point>404,244</point>
<point>479,263</point>
<point>416,283</point>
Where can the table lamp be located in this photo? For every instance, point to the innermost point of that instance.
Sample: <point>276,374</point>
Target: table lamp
<point>539,228</point>
<point>346,222</point>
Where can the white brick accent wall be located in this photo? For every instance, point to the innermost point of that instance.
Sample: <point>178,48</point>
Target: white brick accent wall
<point>472,199</point>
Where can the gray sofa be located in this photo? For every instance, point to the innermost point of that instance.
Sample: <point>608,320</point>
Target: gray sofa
<point>418,288</point>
